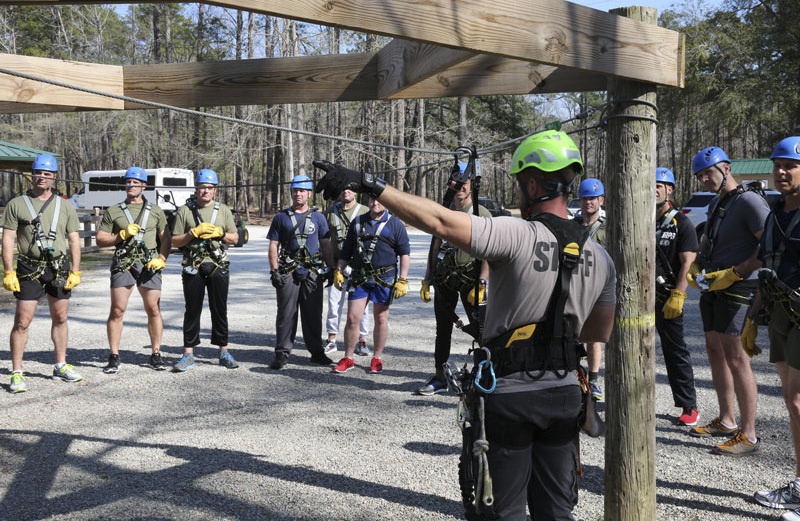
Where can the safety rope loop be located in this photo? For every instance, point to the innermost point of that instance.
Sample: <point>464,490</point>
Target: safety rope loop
<point>480,448</point>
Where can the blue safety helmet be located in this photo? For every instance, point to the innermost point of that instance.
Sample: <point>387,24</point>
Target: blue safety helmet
<point>206,176</point>
<point>665,175</point>
<point>45,162</point>
<point>302,182</point>
<point>136,172</point>
<point>591,188</point>
<point>788,148</point>
<point>709,157</point>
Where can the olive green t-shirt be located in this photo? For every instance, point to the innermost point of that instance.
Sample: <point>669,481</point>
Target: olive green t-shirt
<point>185,221</point>
<point>114,220</point>
<point>17,217</point>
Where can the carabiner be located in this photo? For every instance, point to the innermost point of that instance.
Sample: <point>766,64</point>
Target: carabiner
<point>479,374</point>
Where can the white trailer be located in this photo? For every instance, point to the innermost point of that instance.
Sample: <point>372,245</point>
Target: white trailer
<point>169,188</point>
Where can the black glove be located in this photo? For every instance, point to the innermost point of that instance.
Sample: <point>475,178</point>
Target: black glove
<point>276,279</point>
<point>337,178</point>
<point>326,275</point>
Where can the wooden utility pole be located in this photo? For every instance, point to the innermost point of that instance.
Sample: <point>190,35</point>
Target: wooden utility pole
<point>630,482</point>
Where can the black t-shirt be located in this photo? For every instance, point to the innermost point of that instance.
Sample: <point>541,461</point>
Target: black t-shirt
<point>673,238</point>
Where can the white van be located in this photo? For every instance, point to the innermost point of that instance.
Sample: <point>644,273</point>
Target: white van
<point>169,188</point>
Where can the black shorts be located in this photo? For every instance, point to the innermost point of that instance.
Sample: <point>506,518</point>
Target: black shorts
<point>49,282</point>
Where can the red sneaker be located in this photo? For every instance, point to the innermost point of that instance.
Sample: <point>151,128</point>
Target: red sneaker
<point>376,366</point>
<point>689,417</point>
<point>344,365</point>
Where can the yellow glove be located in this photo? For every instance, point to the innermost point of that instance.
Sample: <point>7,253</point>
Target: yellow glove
<point>10,281</point>
<point>481,295</point>
<point>156,264</point>
<point>129,231</point>
<point>202,229</point>
<point>73,280</point>
<point>215,233</point>
<point>425,291</point>
<point>400,288</point>
<point>748,337</point>
<point>338,279</point>
<point>722,279</point>
<point>673,307</point>
<point>694,271</point>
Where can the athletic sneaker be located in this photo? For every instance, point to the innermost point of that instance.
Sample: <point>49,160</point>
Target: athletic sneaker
<point>67,373</point>
<point>739,445</point>
<point>597,391</point>
<point>787,496</point>
<point>794,515</point>
<point>280,360</point>
<point>321,359</point>
<point>184,364</point>
<point>344,365</point>
<point>226,360</point>
<point>376,366</point>
<point>434,386</point>
<point>157,362</point>
<point>18,384</point>
<point>113,364</point>
<point>715,428</point>
<point>361,348</point>
<point>689,417</point>
<point>330,346</point>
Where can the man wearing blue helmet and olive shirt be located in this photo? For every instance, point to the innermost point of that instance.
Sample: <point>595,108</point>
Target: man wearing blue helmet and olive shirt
<point>203,230</point>
<point>300,258</point>
<point>592,195</point>
<point>45,231</point>
<point>676,249</point>
<point>134,228</point>
<point>780,253</point>
<point>728,258</point>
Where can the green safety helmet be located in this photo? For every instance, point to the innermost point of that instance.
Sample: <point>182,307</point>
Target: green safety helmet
<point>549,151</point>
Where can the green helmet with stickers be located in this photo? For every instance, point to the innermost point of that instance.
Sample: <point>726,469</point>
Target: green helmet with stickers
<point>549,151</point>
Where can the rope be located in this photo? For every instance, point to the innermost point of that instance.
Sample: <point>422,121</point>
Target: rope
<point>480,448</point>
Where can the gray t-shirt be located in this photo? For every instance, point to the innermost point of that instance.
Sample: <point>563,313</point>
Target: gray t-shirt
<point>523,268</point>
<point>736,233</point>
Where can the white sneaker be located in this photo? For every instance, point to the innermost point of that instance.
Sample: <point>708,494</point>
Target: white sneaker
<point>330,346</point>
<point>794,515</point>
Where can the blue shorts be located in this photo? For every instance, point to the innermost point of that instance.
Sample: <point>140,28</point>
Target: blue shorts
<point>375,292</point>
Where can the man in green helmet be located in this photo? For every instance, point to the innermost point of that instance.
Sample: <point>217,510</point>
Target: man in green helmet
<point>533,410</point>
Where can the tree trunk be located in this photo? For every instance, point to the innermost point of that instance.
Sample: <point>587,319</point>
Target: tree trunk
<point>630,483</point>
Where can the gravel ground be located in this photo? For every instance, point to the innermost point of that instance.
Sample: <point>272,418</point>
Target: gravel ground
<point>302,443</point>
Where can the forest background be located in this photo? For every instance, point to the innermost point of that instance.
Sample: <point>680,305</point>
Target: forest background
<point>742,93</point>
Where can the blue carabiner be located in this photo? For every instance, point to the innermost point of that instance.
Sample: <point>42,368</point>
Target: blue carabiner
<point>479,373</point>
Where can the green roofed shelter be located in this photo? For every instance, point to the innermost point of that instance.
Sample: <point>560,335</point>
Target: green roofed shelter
<point>747,170</point>
<point>19,157</point>
<point>16,159</point>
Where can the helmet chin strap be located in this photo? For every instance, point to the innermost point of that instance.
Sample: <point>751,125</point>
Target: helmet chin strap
<point>724,178</point>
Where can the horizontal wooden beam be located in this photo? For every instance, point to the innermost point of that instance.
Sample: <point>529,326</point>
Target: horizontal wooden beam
<point>314,79</point>
<point>15,90</point>
<point>550,32</point>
